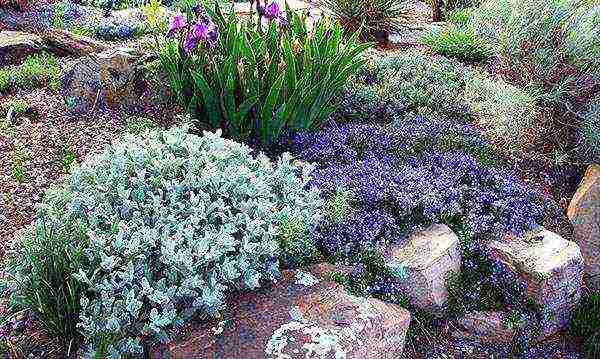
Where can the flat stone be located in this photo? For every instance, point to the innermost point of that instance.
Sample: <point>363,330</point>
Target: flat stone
<point>16,45</point>
<point>552,269</point>
<point>427,259</point>
<point>486,327</point>
<point>584,213</point>
<point>301,316</point>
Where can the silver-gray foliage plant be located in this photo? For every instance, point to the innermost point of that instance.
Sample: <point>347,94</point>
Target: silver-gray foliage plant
<point>175,221</point>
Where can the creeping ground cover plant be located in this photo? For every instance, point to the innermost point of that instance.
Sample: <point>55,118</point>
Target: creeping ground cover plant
<point>167,223</point>
<point>401,176</point>
<point>257,78</point>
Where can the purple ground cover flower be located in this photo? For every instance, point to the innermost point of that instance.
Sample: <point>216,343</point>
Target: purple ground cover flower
<point>409,177</point>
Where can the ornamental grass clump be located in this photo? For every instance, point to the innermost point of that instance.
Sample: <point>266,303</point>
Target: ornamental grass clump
<point>170,223</point>
<point>373,20</point>
<point>257,79</point>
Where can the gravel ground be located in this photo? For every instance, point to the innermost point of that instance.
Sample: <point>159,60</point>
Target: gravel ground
<point>42,139</point>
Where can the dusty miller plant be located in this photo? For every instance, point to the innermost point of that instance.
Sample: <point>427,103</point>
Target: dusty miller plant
<point>174,222</point>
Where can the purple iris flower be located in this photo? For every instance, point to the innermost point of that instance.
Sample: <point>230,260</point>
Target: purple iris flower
<point>272,12</point>
<point>178,22</point>
<point>202,32</point>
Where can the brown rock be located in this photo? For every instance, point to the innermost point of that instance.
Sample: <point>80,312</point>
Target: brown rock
<point>486,327</point>
<point>584,213</point>
<point>300,316</point>
<point>552,269</point>
<point>16,45</point>
<point>428,258</point>
<point>107,78</point>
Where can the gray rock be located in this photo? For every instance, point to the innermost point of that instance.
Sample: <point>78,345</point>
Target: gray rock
<point>428,258</point>
<point>552,269</point>
<point>100,80</point>
<point>486,327</point>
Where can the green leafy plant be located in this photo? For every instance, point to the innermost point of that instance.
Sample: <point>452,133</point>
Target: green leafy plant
<point>586,322</point>
<point>137,125</point>
<point>49,253</point>
<point>18,163</point>
<point>172,223</point>
<point>67,158</point>
<point>37,71</point>
<point>255,81</point>
<point>372,19</point>
<point>5,79</point>
<point>458,42</point>
<point>157,18</point>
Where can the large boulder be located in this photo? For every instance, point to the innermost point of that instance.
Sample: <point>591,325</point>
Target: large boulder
<point>427,260</point>
<point>301,316</point>
<point>99,80</point>
<point>584,213</point>
<point>552,269</point>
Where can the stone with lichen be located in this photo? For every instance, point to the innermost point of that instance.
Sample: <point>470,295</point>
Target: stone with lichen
<point>584,213</point>
<point>303,315</point>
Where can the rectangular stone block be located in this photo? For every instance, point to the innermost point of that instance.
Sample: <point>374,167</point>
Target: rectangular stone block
<point>553,271</point>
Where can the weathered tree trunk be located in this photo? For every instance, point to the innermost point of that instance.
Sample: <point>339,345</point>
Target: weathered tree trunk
<point>437,10</point>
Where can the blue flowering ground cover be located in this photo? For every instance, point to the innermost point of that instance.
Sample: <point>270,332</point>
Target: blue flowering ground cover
<point>400,177</point>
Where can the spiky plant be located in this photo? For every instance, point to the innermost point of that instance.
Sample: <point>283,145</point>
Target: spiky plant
<point>375,19</point>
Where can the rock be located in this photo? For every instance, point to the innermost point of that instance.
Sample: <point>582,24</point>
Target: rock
<point>584,213</point>
<point>16,45</point>
<point>428,258</point>
<point>486,327</point>
<point>552,269</point>
<point>95,81</point>
<point>300,316</point>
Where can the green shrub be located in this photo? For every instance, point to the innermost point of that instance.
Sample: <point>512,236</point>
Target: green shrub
<point>172,222</point>
<point>18,106</point>
<point>586,323</point>
<point>5,81</point>
<point>256,82</point>
<point>460,17</point>
<point>402,85</point>
<point>507,114</point>
<point>49,253</point>
<point>590,128</point>
<point>458,42</point>
<point>373,19</point>
<point>37,71</point>
<point>551,48</point>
